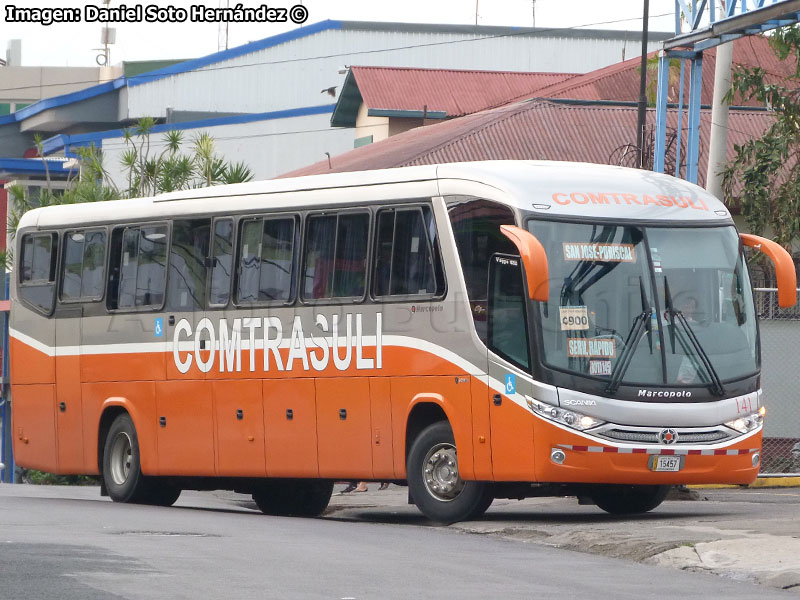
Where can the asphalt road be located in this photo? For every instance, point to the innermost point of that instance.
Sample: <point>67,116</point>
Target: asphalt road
<point>68,543</point>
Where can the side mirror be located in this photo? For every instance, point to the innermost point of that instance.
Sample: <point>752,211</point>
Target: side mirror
<point>534,258</point>
<point>784,267</point>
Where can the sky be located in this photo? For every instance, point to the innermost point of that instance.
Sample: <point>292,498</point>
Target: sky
<point>78,44</point>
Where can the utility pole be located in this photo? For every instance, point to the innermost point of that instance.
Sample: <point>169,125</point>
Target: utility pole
<point>718,138</point>
<point>640,121</point>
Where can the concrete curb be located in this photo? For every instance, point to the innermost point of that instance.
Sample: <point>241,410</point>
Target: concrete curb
<point>761,482</point>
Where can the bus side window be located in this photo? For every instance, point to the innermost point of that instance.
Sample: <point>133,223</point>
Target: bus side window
<point>83,265</point>
<point>507,331</point>
<point>222,263</point>
<point>38,273</point>
<point>267,260</point>
<point>187,269</point>
<point>138,267</point>
<point>407,262</point>
<point>476,227</point>
<point>335,264</point>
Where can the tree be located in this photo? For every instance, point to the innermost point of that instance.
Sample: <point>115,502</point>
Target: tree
<point>764,177</point>
<point>171,169</point>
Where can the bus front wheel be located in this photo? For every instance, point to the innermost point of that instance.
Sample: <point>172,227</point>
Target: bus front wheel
<point>434,480</point>
<point>629,499</point>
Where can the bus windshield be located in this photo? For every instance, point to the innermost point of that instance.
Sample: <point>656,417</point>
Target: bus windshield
<point>646,306</point>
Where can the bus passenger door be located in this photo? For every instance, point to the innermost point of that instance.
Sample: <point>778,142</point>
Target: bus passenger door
<point>509,360</point>
<point>69,404</point>
<point>184,400</point>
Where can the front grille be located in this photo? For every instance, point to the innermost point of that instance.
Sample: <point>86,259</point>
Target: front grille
<point>649,435</point>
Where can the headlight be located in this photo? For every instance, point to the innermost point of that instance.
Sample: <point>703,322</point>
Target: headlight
<point>559,415</point>
<point>746,424</point>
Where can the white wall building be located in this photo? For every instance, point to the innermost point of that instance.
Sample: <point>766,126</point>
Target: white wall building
<point>267,102</point>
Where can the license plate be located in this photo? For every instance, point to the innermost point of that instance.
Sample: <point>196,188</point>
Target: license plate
<point>666,463</point>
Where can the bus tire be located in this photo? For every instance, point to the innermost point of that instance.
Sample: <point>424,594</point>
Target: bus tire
<point>434,481</point>
<point>122,471</point>
<point>293,497</point>
<point>629,499</point>
<point>161,493</point>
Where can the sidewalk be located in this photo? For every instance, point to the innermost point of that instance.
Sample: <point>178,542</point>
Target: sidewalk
<point>763,481</point>
<point>744,533</point>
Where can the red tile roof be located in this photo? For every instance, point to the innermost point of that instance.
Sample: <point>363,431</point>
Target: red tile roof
<point>532,130</point>
<point>621,81</point>
<point>455,92</point>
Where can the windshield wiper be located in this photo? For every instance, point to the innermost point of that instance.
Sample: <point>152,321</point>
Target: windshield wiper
<point>716,383</point>
<point>640,324</point>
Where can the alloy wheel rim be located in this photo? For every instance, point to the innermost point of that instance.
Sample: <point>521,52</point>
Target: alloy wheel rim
<point>121,458</point>
<point>440,473</point>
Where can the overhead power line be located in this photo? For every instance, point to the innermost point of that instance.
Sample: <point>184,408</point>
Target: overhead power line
<point>529,32</point>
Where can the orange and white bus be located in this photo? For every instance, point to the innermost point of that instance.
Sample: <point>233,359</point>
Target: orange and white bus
<point>478,330</point>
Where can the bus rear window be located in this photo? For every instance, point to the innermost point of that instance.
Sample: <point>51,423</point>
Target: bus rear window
<point>38,258</point>
<point>38,272</point>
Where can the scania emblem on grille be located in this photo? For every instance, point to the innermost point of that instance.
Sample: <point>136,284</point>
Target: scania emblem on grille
<point>668,436</point>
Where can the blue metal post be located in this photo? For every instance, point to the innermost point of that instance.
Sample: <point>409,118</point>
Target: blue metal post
<point>680,122</point>
<point>7,474</point>
<point>693,137</point>
<point>661,112</point>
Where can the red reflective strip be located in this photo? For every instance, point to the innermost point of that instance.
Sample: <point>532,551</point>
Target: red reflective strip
<point>695,452</point>
<point>720,452</point>
<point>581,448</point>
<point>666,452</point>
<point>610,449</point>
<point>640,450</point>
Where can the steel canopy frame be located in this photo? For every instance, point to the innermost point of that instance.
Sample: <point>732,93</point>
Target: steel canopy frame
<point>738,19</point>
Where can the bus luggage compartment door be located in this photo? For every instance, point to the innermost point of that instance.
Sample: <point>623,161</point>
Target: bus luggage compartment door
<point>344,427</point>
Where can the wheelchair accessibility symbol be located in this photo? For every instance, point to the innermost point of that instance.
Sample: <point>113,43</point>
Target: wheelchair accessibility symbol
<point>158,330</point>
<point>511,383</point>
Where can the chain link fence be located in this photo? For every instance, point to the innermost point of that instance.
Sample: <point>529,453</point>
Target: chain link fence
<point>780,368</point>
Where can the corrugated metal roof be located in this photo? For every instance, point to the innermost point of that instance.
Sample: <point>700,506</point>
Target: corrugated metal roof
<point>535,130</point>
<point>455,92</point>
<point>621,81</point>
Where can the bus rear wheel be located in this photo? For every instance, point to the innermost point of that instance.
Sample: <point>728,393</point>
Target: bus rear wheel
<point>629,499</point>
<point>122,471</point>
<point>161,493</point>
<point>293,497</point>
<point>434,480</point>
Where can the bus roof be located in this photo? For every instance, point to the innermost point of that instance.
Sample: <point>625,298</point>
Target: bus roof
<point>550,188</point>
